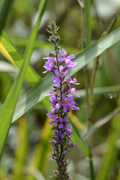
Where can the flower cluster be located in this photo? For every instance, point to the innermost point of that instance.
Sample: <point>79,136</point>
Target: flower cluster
<point>62,102</point>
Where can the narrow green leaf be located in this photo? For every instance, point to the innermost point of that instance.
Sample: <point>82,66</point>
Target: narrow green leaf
<point>88,21</point>
<point>37,93</point>
<point>101,122</point>
<point>107,91</point>
<point>16,58</point>
<point>4,13</point>
<point>21,150</point>
<point>44,45</point>
<point>80,143</point>
<point>7,111</point>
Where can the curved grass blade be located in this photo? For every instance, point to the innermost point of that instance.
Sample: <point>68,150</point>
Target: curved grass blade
<point>7,111</point>
<point>37,93</point>
<point>16,58</point>
<point>4,13</point>
<point>101,122</point>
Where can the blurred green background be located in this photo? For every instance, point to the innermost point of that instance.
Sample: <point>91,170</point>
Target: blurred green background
<point>27,150</point>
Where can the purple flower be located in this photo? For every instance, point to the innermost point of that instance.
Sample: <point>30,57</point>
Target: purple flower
<point>62,102</point>
<point>73,91</point>
<point>73,144</point>
<point>70,81</point>
<point>64,123</point>
<point>64,54</point>
<point>49,66</point>
<point>53,122</point>
<point>69,63</point>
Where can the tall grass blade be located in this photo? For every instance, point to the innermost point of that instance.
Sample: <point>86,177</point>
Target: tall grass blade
<point>7,111</point>
<point>38,92</point>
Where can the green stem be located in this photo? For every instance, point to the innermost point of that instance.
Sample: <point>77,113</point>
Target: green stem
<point>92,174</point>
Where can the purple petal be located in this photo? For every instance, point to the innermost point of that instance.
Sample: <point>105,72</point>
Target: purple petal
<point>53,99</point>
<point>58,105</point>
<point>69,127</point>
<point>71,56</point>
<point>63,97</point>
<point>56,80</point>
<point>65,109</point>
<point>56,72</point>
<point>61,119</point>
<point>63,53</point>
<point>66,118</point>
<point>61,126</point>
<point>60,59</point>
<point>61,68</point>
<point>50,123</point>
<point>65,73</point>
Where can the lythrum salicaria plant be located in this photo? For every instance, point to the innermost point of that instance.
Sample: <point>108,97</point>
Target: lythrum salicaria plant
<point>62,102</point>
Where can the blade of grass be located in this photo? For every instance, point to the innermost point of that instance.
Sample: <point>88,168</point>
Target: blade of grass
<point>100,90</point>
<point>16,58</point>
<point>38,92</point>
<point>5,8</point>
<point>77,139</point>
<point>21,150</point>
<point>88,21</point>
<point>7,111</point>
<point>101,122</point>
<point>43,45</point>
<point>94,70</point>
<point>40,152</point>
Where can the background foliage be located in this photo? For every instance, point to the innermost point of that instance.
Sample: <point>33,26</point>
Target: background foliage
<point>26,154</point>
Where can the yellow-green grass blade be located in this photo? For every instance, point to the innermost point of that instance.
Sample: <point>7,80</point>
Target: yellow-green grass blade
<point>15,57</point>
<point>21,149</point>
<point>37,93</point>
<point>41,150</point>
<point>7,111</point>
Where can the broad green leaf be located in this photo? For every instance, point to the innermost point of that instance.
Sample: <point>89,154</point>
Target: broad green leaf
<point>37,93</point>
<point>4,13</point>
<point>7,111</point>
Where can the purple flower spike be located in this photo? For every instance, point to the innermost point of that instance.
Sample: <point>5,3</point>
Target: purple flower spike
<point>62,102</point>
